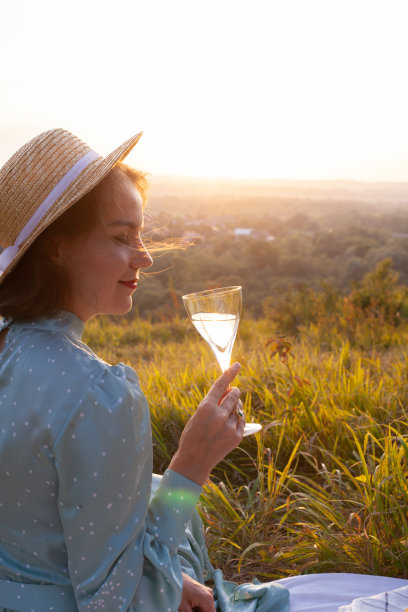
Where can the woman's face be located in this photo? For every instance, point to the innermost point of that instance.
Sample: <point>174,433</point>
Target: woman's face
<point>104,265</point>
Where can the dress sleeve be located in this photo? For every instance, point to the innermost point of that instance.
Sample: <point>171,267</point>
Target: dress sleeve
<point>122,546</point>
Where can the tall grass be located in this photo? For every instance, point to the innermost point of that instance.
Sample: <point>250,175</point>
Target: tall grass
<point>323,487</point>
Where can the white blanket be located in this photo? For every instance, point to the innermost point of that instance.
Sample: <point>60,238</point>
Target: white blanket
<point>390,601</point>
<point>328,592</point>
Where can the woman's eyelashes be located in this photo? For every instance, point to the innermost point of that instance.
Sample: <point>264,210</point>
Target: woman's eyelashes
<point>127,240</point>
<point>122,239</point>
<point>132,241</point>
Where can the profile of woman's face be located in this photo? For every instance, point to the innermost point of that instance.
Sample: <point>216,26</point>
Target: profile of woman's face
<point>103,266</point>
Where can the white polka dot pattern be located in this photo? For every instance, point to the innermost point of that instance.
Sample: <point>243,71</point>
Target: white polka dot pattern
<point>75,480</point>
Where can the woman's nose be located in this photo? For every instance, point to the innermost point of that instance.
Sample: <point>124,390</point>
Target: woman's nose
<point>148,260</point>
<point>141,257</point>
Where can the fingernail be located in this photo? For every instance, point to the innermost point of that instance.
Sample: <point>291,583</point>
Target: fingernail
<point>235,367</point>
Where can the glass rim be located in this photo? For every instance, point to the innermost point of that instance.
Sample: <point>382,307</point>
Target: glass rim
<point>208,292</point>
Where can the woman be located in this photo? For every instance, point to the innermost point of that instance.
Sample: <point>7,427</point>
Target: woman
<point>77,529</point>
<point>80,528</point>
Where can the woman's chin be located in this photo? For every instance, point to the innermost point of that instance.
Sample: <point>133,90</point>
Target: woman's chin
<point>125,307</point>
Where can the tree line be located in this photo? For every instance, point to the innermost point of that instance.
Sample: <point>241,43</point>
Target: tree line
<point>320,244</point>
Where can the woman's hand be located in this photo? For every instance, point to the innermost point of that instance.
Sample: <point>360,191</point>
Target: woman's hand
<point>212,432</point>
<point>196,596</point>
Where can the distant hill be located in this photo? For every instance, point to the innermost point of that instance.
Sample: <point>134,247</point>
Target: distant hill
<point>374,192</point>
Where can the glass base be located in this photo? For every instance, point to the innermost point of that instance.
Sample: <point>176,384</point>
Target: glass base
<point>251,428</point>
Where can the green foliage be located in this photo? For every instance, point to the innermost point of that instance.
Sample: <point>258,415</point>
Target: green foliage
<point>380,289</point>
<point>370,315</point>
<point>296,242</point>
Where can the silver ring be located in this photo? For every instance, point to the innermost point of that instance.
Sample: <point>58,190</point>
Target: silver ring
<point>239,413</point>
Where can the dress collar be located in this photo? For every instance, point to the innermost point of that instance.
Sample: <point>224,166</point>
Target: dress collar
<point>64,322</point>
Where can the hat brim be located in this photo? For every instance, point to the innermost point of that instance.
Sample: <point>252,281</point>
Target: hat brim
<point>85,182</point>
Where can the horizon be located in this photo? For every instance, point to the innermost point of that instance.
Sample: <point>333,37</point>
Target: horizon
<point>231,179</point>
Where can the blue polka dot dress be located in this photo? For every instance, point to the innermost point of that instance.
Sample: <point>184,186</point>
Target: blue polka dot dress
<point>79,529</point>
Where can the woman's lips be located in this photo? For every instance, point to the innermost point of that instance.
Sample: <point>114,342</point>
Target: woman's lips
<point>131,284</point>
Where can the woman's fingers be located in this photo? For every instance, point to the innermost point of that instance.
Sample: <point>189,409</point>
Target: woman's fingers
<point>196,596</point>
<point>238,410</point>
<point>230,400</point>
<point>211,433</point>
<point>237,414</point>
<point>221,385</point>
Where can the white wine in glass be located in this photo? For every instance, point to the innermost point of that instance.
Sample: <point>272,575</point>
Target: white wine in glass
<point>215,314</point>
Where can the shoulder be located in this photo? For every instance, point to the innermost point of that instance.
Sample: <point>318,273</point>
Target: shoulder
<point>116,384</point>
<point>64,367</point>
<point>111,407</point>
<point>50,354</point>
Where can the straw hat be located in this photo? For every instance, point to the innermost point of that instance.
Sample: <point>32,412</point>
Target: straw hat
<point>41,181</point>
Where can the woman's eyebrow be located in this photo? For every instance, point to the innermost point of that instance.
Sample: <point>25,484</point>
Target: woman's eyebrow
<point>130,224</point>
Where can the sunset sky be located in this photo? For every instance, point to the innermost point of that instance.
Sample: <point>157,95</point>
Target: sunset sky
<point>278,89</point>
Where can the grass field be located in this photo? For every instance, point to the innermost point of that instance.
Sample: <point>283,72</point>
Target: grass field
<point>323,487</point>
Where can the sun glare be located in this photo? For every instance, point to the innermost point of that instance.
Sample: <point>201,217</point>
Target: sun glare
<point>265,89</point>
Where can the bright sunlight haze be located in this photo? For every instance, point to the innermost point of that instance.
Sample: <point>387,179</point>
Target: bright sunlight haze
<point>260,89</point>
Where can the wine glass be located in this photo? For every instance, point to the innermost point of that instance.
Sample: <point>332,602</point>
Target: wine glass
<point>215,314</point>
